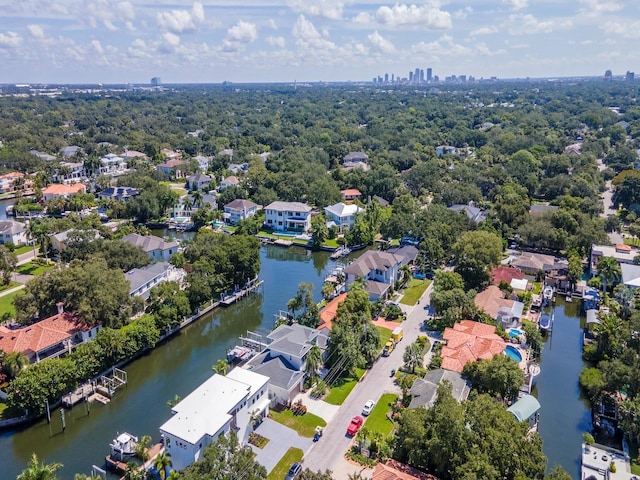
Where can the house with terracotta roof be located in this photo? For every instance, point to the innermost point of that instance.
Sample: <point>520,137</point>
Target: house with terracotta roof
<point>47,338</point>
<point>351,194</point>
<point>328,313</point>
<point>394,470</point>
<point>173,168</point>
<point>506,311</point>
<point>505,274</point>
<point>380,270</point>
<point>59,190</point>
<point>468,342</point>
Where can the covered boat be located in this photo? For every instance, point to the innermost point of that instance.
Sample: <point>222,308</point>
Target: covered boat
<point>123,445</point>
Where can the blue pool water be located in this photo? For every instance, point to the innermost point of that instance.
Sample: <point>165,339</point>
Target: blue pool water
<point>514,332</point>
<point>513,353</point>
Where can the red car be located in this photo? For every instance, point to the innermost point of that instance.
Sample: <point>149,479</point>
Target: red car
<point>354,426</point>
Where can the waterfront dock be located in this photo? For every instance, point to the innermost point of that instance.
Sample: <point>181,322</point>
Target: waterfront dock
<point>232,298</point>
<point>83,392</point>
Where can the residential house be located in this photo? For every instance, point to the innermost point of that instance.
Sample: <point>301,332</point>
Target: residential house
<point>342,216</point>
<point>237,168</point>
<point>69,172</point>
<point>573,149</point>
<point>354,160</point>
<point>58,190</point>
<point>394,470</point>
<point>288,216</point>
<point>380,270</point>
<point>229,182</point>
<point>7,181</point>
<point>622,253</point>
<point>408,252</point>
<point>143,279</point>
<point>120,194</point>
<point>187,205</point>
<point>630,275</point>
<point>381,201</point>
<point>42,155</point>
<point>218,406</point>
<point>47,338</point>
<point>173,168</point>
<point>239,209</point>
<point>227,152</point>
<point>329,312</point>
<point>531,263</point>
<point>506,311</point>
<point>199,181</point>
<point>424,391</point>
<point>505,274</point>
<point>284,359</point>
<point>59,240</point>
<point>468,342</point>
<point>351,194</point>
<point>129,155</point>
<point>157,248</point>
<point>171,154</point>
<point>445,150</point>
<point>13,232</point>
<point>112,164</point>
<point>70,151</point>
<point>472,212</point>
<point>203,162</point>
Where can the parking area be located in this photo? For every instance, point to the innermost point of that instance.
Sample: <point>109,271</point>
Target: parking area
<point>281,439</point>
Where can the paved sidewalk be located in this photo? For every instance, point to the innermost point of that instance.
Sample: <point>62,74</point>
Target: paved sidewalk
<point>281,439</point>
<point>11,290</point>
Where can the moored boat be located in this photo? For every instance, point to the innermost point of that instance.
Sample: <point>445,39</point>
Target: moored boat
<point>546,321</point>
<point>124,445</point>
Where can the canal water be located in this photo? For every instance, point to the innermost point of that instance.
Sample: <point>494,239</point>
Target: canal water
<point>564,414</point>
<point>176,367</point>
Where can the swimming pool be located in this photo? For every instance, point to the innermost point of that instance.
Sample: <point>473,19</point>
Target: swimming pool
<point>514,332</point>
<point>513,353</point>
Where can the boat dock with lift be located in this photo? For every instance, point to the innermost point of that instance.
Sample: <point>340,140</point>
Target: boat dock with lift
<point>250,287</point>
<point>248,346</point>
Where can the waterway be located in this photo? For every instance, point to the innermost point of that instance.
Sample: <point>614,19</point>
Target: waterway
<point>176,367</point>
<point>564,414</point>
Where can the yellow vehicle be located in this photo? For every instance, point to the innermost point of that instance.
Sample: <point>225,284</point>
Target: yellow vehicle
<point>397,334</point>
<point>388,348</point>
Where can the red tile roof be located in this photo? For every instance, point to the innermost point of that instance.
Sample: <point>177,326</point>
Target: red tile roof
<point>468,342</point>
<point>506,274</point>
<point>492,300</point>
<point>59,189</point>
<point>328,313</point>
<point>351,192</point>
<point>394,470</point>
<point>41,335</point>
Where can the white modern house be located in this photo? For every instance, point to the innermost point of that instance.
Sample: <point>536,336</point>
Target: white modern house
<point>288,216</point>
<point>342,215</point>
<point>155,247</point>
<point>142,280</point>
<point>13,232</point>
<point>113,164</point>
<point>219,405</point>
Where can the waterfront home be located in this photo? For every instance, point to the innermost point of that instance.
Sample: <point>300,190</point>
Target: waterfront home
<point>284,359</point>
<point>47,338</point>
<point>329,312</point>
<point>59,240</point>
<point>7,181</point>
<point>157,248</point>
<point>467,342</point>
<point>526,409</point>
<point>622,254</point>
<point>531,263</point>
<point>112,164</point>
<point>239,209</point>
<point>505,274</point>
<point>218,406</point>
<point>380,270</point>
<point>187,205</point>
<point>12,232</point>
<point>342,216</point>
<point>70,151</point>
<point>229,182</point>
<point>351,194</point>
<point>198,181</point>
<point>424,391</point>
<point>408,252</point>
<point>58,190</point>
<point>173,168</point>
<point>143,279</point>
<point>69,172</point>
<point>120,194</point>
<point>630,275</point>
<point>288,216</point>
<point>506,311</point>
<point>473,213</point>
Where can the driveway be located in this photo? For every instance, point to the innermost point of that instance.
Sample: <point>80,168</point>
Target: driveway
<point>281,439</point>
<point>329,452</point>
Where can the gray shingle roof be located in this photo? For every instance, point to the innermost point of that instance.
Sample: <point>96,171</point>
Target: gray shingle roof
<point>373,260</point>
<point>280,374</point>
<point>292,206</point>
<point>137,277</point>
<point>424,391</point>
<point>11,227</point>
<point>296,339</point>
<point>148,243</point>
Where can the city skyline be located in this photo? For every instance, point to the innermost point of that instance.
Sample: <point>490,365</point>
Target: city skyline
<point>104,41</point>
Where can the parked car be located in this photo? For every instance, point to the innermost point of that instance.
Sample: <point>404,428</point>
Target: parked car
<point>354,426</point>
<point>435,345</point>
<point>295,469</point>
<point>366,410</point>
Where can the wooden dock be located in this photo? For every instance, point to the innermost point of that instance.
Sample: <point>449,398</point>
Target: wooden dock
<point>234,297</point>
<point>83,392</point>
<point>282,243</point>
<point>116,465</point>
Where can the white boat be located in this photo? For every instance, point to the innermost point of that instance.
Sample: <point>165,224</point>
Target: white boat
<point>547,293</point>
<point>124,445</point>
<point>546,321</point>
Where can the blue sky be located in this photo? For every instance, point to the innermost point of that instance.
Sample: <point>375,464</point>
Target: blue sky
<point>114,41</point>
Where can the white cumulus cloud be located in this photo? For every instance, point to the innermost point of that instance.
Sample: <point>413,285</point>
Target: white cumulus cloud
<point>276,41</point>
<point>10,40</point>
<point>238,36</point>
<point>331,9</point>
<point>527,24</point>
<point>594,8</point>
<point>402,15</point>
<point>169,42</point>
<point>182,21</point>
<point>516,4</point>
<point>109,14</point>
<point>307,36</point>
<point>36,31</point>
<point>380,44</point>
<point>484,31</point>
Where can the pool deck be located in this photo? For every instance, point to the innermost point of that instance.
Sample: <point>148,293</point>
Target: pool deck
<point>596,460</point>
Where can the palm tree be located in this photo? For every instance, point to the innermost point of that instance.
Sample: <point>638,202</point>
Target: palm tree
<point>609,271</point>
<point>221,367</point>
<point>197,197</point>
<point>162,462</point>
<point>39,471</point>
<point>142,452</point>
<point>187,203</point>
<point>14,362</point>
<point>413,356</point>
<point>173,475</point>
<point>314,359</point>
<point>626,299</point>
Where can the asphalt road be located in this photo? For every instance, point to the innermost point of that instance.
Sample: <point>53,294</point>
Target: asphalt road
<point>328,453</point>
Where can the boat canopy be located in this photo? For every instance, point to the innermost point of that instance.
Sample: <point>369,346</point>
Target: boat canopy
<point>525,408</point>
<point>592,316</point>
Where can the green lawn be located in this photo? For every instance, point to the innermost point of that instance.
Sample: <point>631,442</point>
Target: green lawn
<point>292,456</point>
<point>331,242</point>
<point>377,421</point>
<point>33,269</point>
<point>10,285</point>
<point>342,388</point>
<point>305,424</point>
<point>6,304</point>
<point>23,249</point>
<point>537,288</point>
<point>414,291</point>
<point>385,335</point>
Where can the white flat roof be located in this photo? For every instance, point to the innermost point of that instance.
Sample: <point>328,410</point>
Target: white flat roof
<point>255,380</point>
<point>205,411</point>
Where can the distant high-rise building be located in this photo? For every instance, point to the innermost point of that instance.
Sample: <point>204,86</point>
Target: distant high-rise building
<point>421,75</point>
<point>155,81</point>
<point>608,75</point>
<point>374,80</point>
<point>416,75</point>
<point>386,78</point>
<point>462,78</point>
<point>630,76</point>
<point>410,76</point>
<point>393,78</point>
<point>429,74</point>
